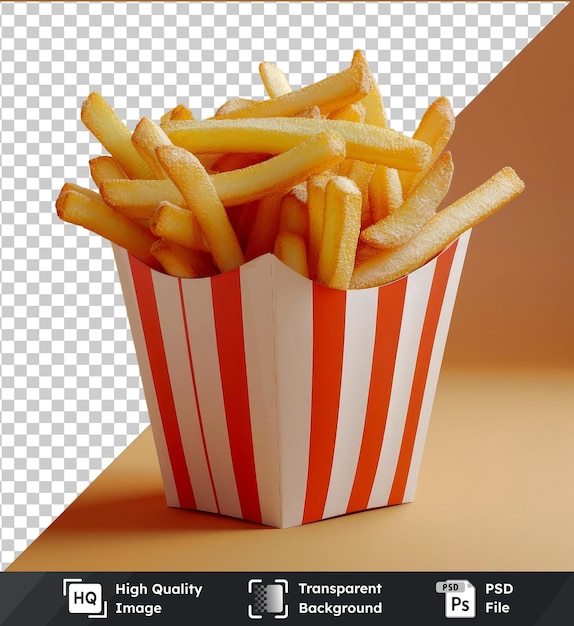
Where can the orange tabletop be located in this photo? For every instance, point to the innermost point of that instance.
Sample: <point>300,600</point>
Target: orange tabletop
<point>495,493</point>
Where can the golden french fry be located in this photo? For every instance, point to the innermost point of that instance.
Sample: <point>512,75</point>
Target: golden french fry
<point>373,102</point>
<point>165,117</point>
<point>77,208</point>
<point>148,136</point>
<point>275,135</point>
<point>290,248</point>
<point>209,159</point>
<point>316,206</point>
<point>197,188</point>
<point>328,94</point>
<point>274,79</point>
<point>179,225</point>
<point>180,261</point>
<point>441,230</point>
<point>294,212</point>
<point>435,129</point>
<point>398,227</point>
<point>174,259</point>
<point>264,228</point>
<point>282,172</point>
<point>245,219</point>
<point>311,112</point>
<point>360,173</point>
<point>341,227</point>
<point>138,199</point>
<point>105,168</point>
<point>385,192</point>
<point>103,122</point>
<point>89,193</point>
<point>351,113</point>
<point>237,161</point>
<point>181,112</point>
<point>233,105</point>
<point>364,252</point>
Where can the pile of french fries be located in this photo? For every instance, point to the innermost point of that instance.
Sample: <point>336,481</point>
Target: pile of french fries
<point>315,176</point>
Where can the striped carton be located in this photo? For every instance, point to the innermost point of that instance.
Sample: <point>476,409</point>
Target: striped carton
<point>280,401</point>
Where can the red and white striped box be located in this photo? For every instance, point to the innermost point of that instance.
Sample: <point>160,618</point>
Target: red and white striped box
<point>280,401</point>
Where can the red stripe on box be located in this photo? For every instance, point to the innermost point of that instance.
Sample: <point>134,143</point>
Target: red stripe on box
<point>149,315</point>
<point>329,307</point>
<point>391,300</point>
<point>198,408</point>
<point>226,292</point>
<point>432,315</point>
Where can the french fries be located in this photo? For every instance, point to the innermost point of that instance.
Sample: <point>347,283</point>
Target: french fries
<point>278,134</point>
<point>290,248</point>
<point>78,208</point>
<point>274,79</point>
<point>103,122</point>
<point>439,231</point>
<point>328,94</point>
<point>316,176</point>
<point>341,227</point>
<point>200,195</point>
<point>405,221</point>
<point>173,223</point>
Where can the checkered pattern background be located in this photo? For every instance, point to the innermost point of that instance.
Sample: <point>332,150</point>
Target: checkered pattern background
<point>70,392</point>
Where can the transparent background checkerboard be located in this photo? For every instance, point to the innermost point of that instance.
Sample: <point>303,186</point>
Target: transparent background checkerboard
<point>71,398</point>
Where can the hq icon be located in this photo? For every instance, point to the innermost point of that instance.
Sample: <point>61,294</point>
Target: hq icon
<point>85,598</point>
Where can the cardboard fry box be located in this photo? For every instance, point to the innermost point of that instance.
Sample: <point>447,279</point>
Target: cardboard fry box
<point>280,401</point>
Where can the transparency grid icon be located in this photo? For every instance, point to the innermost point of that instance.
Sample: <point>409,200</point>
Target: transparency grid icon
<point>71,396</point>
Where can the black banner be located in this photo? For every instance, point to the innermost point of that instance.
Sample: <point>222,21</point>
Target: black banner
<point>341,598</point>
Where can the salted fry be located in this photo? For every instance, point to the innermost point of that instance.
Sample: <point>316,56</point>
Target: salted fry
<point>105,168</point>
<point>180,261</point>
<point>314,174</point>
<point>435,129</point>
<point>77,208</point>
<point>364,252</point>
<point>274,80</point>
<point>385,192</point>
<point>360,173</point>
<point>341,227</point>
<point>103,122</point>
<point>196,186</point>
<point>276,135</point>
<point>290,248</point>
<point>316,207</point>
<point>138,199</point>
<point>282,172</point>
<point>264,228</point>
<point>294,212</point>
<point>237,161</point>
<point>148,136</point>
<point>328,94</point>
<point>373,102</point>
<point>89,193</point>
<point>179,225</point>
<point>441,230</point>
<point>351,113</point>
<point>181,112</point>
<point>174,259</point>
<point>311,112</point>
<point>235,104</point>
<point>398,227</point>
<point>245,219</point>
